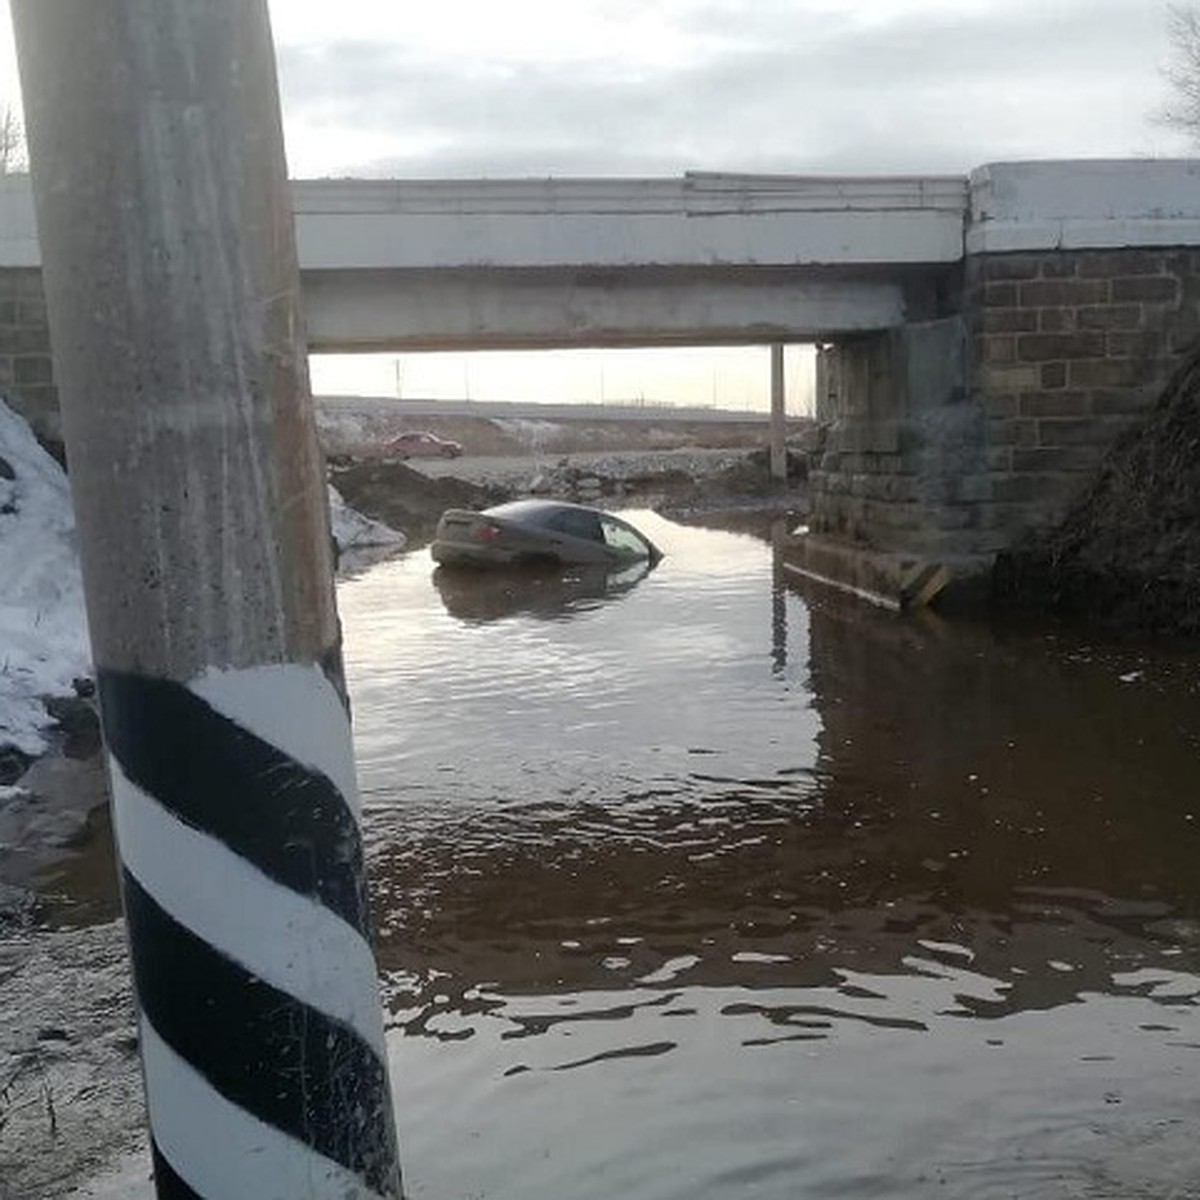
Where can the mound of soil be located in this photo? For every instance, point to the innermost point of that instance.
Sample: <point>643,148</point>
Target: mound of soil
<point>405,499</point>
<point>1128,555</point>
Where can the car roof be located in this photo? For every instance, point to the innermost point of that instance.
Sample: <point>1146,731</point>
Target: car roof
<point>532,507</point>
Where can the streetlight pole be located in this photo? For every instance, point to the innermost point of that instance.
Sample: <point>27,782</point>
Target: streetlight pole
<point>173,294</point>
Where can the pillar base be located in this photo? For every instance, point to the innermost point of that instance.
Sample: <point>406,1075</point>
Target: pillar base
<point>891,579</point>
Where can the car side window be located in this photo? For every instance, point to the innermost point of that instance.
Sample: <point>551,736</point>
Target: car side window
<point>578,524</point>
<point>623,538</point>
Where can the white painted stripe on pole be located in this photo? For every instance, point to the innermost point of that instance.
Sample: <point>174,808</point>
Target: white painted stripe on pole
<point>295,708</point>
<point>285,939</point>
<point>220,1150</point>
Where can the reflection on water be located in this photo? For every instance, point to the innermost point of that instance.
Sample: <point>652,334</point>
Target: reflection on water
<point>483,595</point>
<point>705,886</point>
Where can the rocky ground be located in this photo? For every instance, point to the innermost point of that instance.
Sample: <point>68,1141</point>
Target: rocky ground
<point>70,1089</point>
<point>1127,556</point>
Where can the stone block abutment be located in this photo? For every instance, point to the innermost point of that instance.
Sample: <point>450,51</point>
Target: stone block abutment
<point>1067,349</point>
<point>1080,296</point>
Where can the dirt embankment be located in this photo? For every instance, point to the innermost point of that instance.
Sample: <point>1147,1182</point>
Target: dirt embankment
<point>1127,556</point>
<point>411,497</point>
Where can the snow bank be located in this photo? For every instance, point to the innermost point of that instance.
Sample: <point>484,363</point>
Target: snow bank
<point>43,631</point>
<point>351,530</point>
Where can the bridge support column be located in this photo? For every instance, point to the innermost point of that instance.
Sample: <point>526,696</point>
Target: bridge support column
<point>903,456</point>
<point>778,415</point>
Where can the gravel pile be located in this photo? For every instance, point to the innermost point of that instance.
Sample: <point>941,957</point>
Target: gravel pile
<point>601,473</point>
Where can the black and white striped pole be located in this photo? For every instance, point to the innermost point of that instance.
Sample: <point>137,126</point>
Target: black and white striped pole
<point>173,294</point>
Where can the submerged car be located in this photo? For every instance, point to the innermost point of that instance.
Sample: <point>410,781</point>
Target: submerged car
<point>420,444</point>
<point>538,533</point>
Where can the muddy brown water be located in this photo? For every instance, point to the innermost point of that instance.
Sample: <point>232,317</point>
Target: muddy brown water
<point>707,884</point>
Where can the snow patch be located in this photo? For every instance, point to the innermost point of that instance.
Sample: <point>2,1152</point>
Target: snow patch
<point>44,643</point>
<point>43,631</point>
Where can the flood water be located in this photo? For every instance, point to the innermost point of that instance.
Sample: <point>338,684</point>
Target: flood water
<point>713,885</point>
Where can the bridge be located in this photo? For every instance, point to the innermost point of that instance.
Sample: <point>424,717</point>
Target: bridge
<point>983,339</point>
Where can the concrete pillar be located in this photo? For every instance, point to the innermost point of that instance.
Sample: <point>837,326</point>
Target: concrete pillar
<point>173,298</point>
<point>778,415</point>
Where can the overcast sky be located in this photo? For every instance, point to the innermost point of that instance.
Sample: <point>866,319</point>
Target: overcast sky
<point>660,86</point>
<point>651,87</point>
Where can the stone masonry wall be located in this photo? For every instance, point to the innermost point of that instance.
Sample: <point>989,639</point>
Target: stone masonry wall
<point>26,369</point>
<point>902,464</point>
<point>931,453</point>
<point>1067,349</point>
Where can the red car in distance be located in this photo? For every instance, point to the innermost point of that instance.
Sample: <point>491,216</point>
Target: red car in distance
<point>421,444</point>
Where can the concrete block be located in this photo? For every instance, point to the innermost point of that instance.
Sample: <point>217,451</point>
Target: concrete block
<point>1057,459</point>
<point>24,284</point>
<point>1103,372</point>
<point>1060,265</point>
<point>1009,320</point>
<point>1108,402</point>
<point>1054,375</point>
<point>999,348</point>
<point>24,339</point>
<point>1101,263</point>
<point>1000,295</point>
<point>1061,403</point>
<point>1013,432</point>
<point>897,579</point>
<point>1070,431</point>
<point>1010,266</point>
<point>31,310</point>
<point>1009,379</point>
<point>32,369</point>
<point>1146,343</point>
<point>8,311</point>
<point>1057,320</point>
<point>1111,316</point>
<point>1042,347</point>
<point>1162,289</point>
<point>1057,293</point>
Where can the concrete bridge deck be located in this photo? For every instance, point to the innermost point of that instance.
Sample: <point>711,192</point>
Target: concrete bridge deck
<point>704,258</point>
<point>984,338</point>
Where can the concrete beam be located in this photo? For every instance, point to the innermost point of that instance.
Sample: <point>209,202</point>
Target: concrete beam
<point>1097,204</point>
<point>348,311</point>
<point>693,221</point>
